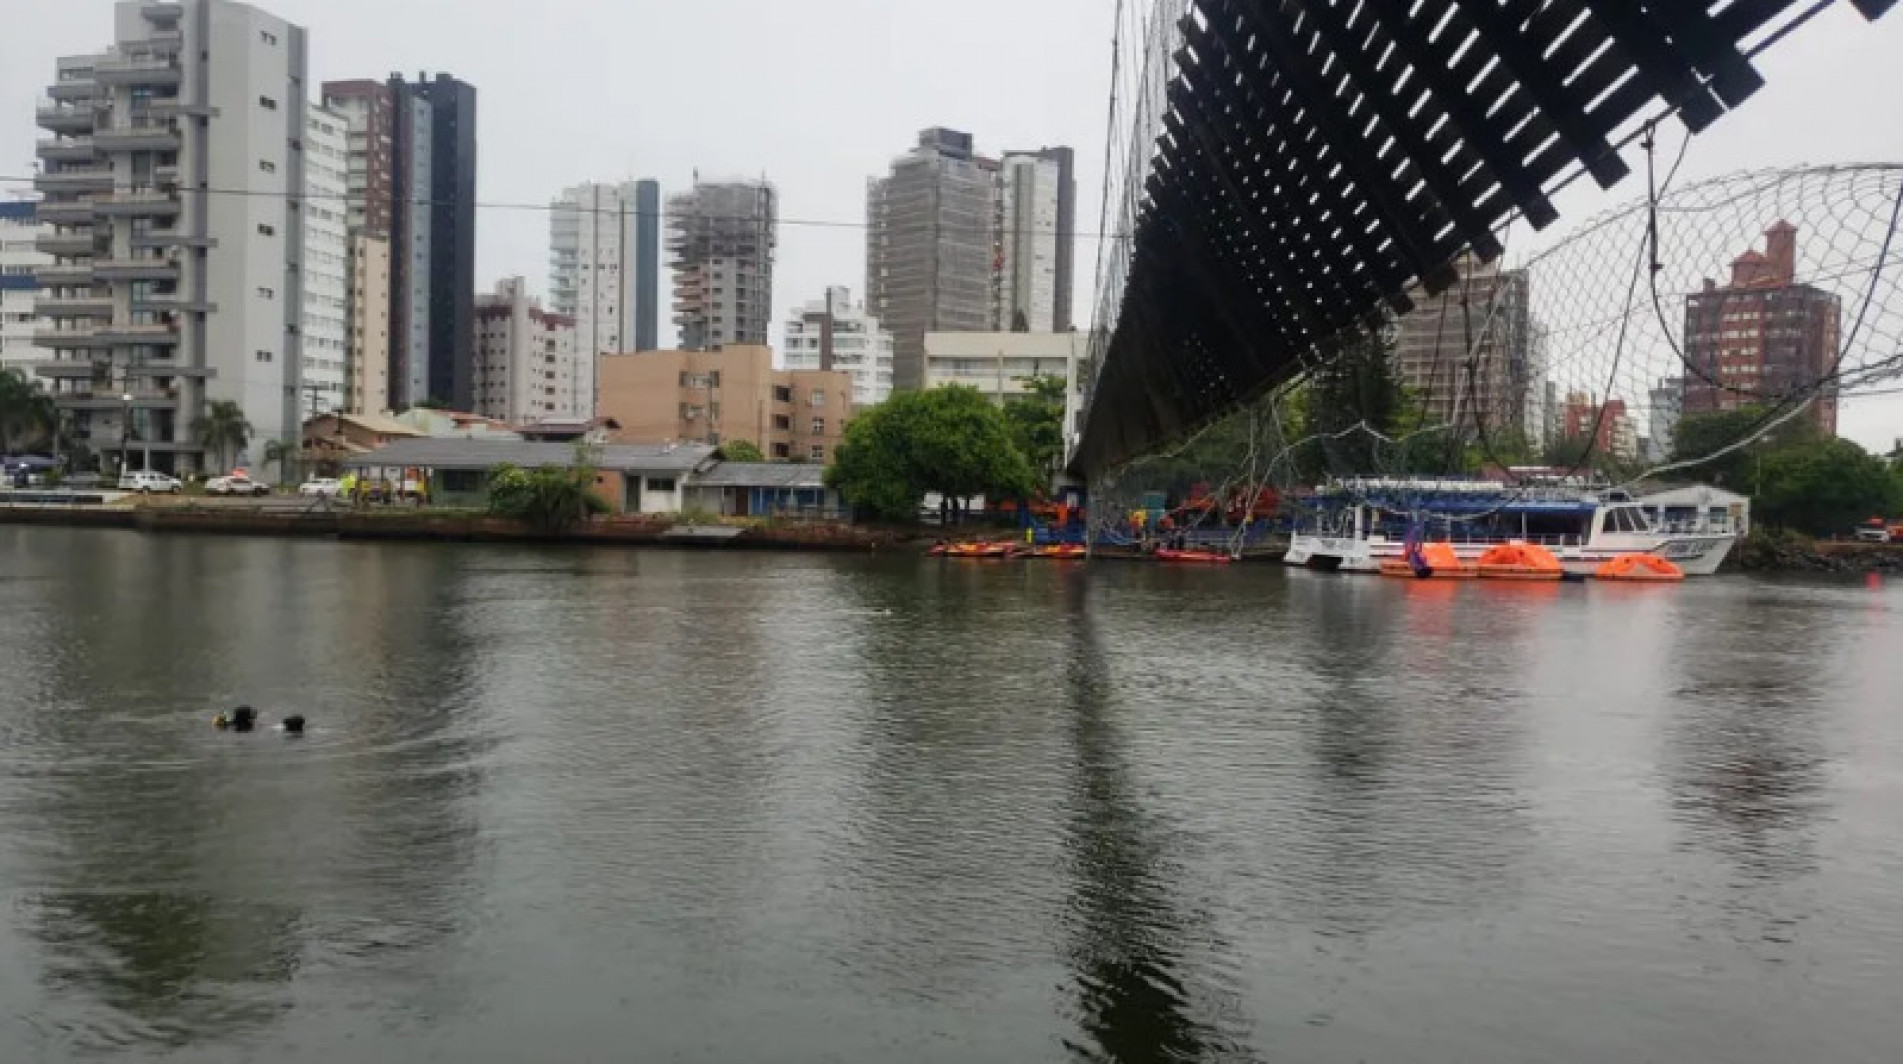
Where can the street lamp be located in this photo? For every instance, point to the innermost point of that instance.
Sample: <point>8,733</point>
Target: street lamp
<point>125,434</point>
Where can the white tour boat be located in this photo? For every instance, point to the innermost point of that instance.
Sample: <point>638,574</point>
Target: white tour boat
<point>1355,525</point>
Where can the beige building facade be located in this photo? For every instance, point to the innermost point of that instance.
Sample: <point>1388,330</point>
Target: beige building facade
<point>368,379</point>
<point>726,395</point>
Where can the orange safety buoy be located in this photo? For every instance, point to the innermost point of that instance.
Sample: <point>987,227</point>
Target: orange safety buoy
<point>1640,569</point>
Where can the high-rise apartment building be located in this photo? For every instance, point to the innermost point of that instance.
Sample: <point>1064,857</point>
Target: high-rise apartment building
<point>20,256</point>
<point>1036,212</point>
<point>169,288</point>
<point>412,177</point>
<point>834,333</point>
<point>325,328</point>
<point>720,240</point>
<point>1468,353</point>
<point>526,365</point>
<point>1666,403</point>
<point>931,247</point>
<point>1608,425</point>
<point>604,264</point>
<point>368,313</point>
<point>1763,337</point>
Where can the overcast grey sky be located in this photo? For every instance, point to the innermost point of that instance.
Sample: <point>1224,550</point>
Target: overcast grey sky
<point>818,95</point>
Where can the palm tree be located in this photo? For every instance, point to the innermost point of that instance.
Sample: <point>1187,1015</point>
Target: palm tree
<point>223,430</point>
<point>281,453</point>
<point>25,410</point>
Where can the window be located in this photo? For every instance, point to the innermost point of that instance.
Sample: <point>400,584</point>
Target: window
<point>267,103</point>
<point>267,37</point>
<point>713,379</point>
<point>660,483</point>
<point>782,394</point>
<point>819,398</point>
<point>266,293</point>
<point>267,166</point>
<point>782,423</point>
<point>463,481</point>
<point>263,356</point>
<point>819,426</point>
<point>818,453</point>
<point>266,230</point>
<point>781,450</point>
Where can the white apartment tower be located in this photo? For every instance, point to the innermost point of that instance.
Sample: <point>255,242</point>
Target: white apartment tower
<point>604,264</point>
<point>526,365</point>
<point>836,333</point>
<point>1024,296</point>
<point>20,258</point>
<point>172,181</point>
<point>325,331</point>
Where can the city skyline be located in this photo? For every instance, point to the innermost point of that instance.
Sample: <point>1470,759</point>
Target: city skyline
<point>1799,116</point>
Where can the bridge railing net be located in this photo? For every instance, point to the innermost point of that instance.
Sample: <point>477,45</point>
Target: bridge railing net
<point>1774,294</point>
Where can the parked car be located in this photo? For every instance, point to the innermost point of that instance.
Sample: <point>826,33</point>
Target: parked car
<point>147,481</point>
<point>235,485</point>
<point>324,487</point>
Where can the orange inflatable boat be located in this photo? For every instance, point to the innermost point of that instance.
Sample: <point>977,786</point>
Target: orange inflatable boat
<point>1440,558</point>
<point>1640,569</point>
<point>1520,561</point>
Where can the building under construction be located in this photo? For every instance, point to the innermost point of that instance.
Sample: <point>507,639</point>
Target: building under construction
<point>720,241</point>
<point>1469,354</point>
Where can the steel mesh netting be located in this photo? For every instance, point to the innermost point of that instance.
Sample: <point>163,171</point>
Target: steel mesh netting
<point>1318,158</point>
<point>1778,293</point>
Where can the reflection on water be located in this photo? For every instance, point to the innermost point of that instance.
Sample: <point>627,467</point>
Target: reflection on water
<point>723,807</point>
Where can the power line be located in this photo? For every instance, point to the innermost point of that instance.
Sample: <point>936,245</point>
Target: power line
<point>550,208</point>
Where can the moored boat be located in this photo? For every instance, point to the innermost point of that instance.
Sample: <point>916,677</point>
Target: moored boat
<point>1640,569</point>
<point>1358,525</point>
<point>1520,561</point>
<point>1192,557</point>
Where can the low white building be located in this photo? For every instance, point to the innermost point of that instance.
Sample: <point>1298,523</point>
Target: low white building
<point>1000,364</point>
<point>860,346</point>
<point>526,365</point>
<point>19,257</point>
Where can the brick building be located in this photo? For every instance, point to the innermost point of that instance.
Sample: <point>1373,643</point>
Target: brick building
<point>724,395</point>
<point>1762,337</point>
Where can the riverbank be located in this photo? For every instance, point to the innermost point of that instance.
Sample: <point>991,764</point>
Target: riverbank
<point>1783,552</point>
<point>285,516</point>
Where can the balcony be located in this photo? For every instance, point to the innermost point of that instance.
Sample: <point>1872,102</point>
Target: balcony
<point>75,179</point>
<point>138,70</point>
<point>65,117</point>
<point>72,369</point>
<point>69,90</point>
<point>77,211</point>
<point>88,306</point>
<point>63,275</point>
<point>146,204</point>
<point>135,269</point>
<point>169,238</point>
<point>173,303</point>
<point>159,367</point>
<point>147,135</point>
<point>162,14</point>
<point>138,335</point>
<point>69,339</point>
<point>80,243</point>
<point>66,150</point>
<point>108,399</point>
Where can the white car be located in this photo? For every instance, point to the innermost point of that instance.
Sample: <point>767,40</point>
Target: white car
<point>235,485</point>
<point>324,487</point>
<point>146,481</point>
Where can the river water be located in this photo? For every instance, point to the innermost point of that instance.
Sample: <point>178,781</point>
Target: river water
<point>599,805</point>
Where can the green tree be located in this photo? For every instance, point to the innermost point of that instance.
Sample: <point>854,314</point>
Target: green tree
<point>1036,419</point>
<point>26,412</point>
<point>1356,387</point>
<point>549,499</point>
<point>741,451</point>
<point>949,440</point>
<point>1704,434</point>
<point>223,431</point>
<point>1823,486</point>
